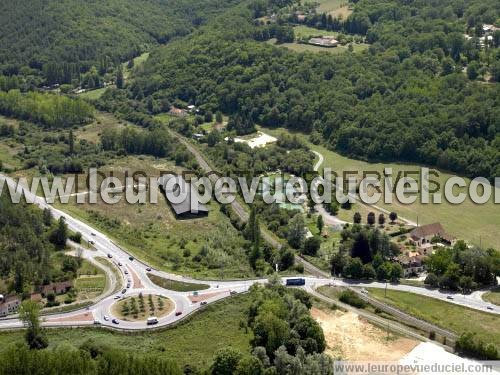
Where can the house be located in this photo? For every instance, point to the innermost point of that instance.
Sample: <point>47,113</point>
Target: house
<point>60,287</point>
<point>412,264</point>
<point>424,234</point>
<point>36,297</point>
<point>324,41</point>
<point>178,112</point>
<point>9,305</point>
<point>190,206</point>
<point>488,29</point>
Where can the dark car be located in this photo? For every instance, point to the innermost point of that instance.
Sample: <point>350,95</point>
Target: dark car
<point>178,313</point>
<point>449,297</point>
<point>203,303</point>
<point>115,321</point>
<point>131,258</point>
<point>124,291</point>
<point>110,256</point>
<point>148,269</point>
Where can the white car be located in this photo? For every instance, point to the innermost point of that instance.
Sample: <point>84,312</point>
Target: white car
<point>117,297</point>
<point>105,317</point>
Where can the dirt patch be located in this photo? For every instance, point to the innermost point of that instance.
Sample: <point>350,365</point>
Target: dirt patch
<point>352,338</point>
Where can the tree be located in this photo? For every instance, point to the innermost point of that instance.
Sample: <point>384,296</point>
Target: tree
<point>370,218</point>
<point>384,271</point>
<point>432,280</point>
<point>473,70</point>
<point>369,272</point>
<point>249,365</point>
<point>396,272</point>
<point>312,245</point>
<point>287,258</point>
<point>71,142</point>
<point>296,231</point>
<point>29,313</point>
<point>393,216</point>
<point>47,217</point>
<point>218,117</point>
<point>120,81</point>
<point>381,220</point>
<point>354,268</point>
<point>357,218</point>
<point>60,234</point>
<point>320,223</point>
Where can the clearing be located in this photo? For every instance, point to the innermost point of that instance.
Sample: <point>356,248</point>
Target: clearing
<point>354,339</point>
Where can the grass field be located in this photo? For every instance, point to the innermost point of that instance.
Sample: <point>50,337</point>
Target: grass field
<point>153,234</point>
<point>178,286</point>
<point>90,282</point>
<point>327,6</point>
<point>300,47</point>
<point>493,296</point>
<point>472,222</point>
<point>449,316</point>
<point>92,94</point>
<point>192,342</point>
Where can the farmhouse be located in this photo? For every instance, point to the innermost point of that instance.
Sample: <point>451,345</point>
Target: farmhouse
<point>185,203</point>
<point>324,41</point>
<point>412,264</point>
<point>56,288</point>
<point>9,305</point>
<point>424,234</point>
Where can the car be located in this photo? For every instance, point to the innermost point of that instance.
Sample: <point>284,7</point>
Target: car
<point>148,269</point>
<point>93,234</point>
<point>128,285</point>
<point>126,272</point>
<point>203,303</point>
<point>97,322</point>
<point>178,313</point>
<point>489,307</point>
<point>449,297</point>
<point>117,297</point>
<point>233,292</point>
<point>115,321</point>
<point>124,291</point>
<point>152,320</point>
<point>91,242</point>
<point>110,256</point>
<point>105,317</point>
<point>120,264</point>
<point>130,258</point>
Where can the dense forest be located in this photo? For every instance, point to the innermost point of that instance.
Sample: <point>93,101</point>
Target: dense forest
<point>406,98</point>
<point>29,240</point>
<point>62,39</point>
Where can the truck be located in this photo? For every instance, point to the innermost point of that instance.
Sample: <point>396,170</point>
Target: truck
<point>152,320</point>
<point>295,282</point>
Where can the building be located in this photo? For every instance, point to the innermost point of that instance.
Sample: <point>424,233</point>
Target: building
<point>60,287</point>
<point>9,305</point>
<point>488,29</point>
<point>178,112</point>
<point>324,41</point>
<point>424,234</point>
<point>412,264</point>
<point>185,206</point>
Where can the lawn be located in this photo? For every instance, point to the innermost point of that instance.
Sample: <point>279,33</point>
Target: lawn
<point>192,342</point>
<point>327,6</point>
<point>478,225</point>
<point>178,286</point>
<point>493,296</point>
<point>446,315</point>
<point>301,47</point>
<point>90,282</point>
<point>92,94</point>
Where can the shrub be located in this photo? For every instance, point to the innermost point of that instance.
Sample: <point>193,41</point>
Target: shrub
<point>351,298</point>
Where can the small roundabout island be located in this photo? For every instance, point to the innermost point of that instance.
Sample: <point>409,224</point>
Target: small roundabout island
<point>140,307</point>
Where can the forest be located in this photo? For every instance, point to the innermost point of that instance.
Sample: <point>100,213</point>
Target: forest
<point>405,99</point>
<point>56,41</point>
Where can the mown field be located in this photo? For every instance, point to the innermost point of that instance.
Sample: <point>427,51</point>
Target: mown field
<point>193,342</point>
<point>472,222</point>
<point>449,316</point>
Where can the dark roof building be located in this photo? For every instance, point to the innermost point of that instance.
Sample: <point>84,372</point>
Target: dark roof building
<point>426,233</point>
<point>185,203</point>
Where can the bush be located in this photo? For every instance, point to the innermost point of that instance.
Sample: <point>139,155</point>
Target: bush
<point>351,298</point>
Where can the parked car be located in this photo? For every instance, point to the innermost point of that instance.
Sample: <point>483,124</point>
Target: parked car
<point>115,321</point>
<point>178,313</point>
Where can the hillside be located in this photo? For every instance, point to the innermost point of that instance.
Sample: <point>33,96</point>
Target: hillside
<point>47,35</point>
